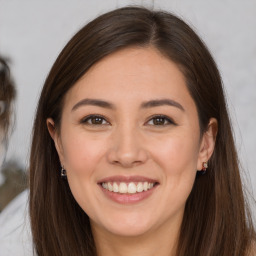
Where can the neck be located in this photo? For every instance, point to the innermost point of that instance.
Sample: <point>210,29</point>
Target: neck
<point>161,242</point>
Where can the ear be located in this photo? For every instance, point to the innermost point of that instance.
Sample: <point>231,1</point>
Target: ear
<point>207,143</point>
<point>56,138</point>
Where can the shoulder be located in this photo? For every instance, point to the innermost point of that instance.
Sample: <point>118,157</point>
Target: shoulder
<point>15,232</point>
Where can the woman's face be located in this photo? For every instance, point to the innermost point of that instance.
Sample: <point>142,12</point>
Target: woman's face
<point>130,142</point>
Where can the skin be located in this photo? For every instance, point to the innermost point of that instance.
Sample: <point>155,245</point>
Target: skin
<point>128,142</point>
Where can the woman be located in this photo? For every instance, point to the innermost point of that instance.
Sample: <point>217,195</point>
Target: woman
<point>132,150</point>
<point>15,235</point>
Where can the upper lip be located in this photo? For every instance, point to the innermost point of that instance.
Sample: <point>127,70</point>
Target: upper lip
<point>127,179</point>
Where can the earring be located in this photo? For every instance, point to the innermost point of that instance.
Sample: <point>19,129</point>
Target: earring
<point>63,172</point>
<point>204,167</point>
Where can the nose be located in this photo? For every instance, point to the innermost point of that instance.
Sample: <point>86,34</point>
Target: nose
<point>127,148</point>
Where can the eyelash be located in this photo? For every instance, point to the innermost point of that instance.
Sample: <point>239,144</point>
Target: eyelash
<point>152,118</point>
<point>165,118</point>
<point>90,117</point>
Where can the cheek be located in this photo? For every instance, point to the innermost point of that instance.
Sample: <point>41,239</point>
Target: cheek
<point>178,157</point>
<point>82,157</point>
<point>177,153</point>
<point>81,153</point>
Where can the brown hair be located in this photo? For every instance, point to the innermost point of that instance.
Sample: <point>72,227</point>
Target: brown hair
<point>7,95</point>
<point>215,219</point>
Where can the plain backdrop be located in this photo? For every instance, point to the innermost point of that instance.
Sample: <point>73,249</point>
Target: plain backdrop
<point>32,33</point>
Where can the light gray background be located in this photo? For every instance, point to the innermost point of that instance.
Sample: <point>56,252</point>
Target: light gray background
<point>32,33</point>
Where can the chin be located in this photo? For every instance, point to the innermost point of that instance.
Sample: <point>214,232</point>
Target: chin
<point>131,226</point>
<point>127,230</point>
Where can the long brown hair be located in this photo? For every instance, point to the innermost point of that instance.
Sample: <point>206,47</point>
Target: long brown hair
<point>215,219</point>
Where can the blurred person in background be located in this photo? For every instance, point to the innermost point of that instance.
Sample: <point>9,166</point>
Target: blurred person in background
<point>14,227</point>
<point>7,95</point>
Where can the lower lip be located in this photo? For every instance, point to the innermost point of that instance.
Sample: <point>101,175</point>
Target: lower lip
<point>128,198</point>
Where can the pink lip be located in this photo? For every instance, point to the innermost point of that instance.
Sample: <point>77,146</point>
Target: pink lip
<point>128,198</point>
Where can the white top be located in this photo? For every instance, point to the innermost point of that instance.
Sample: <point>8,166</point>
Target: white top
<point>15,232</point>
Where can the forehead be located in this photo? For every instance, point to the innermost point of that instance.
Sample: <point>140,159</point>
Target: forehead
<point>131,74</point>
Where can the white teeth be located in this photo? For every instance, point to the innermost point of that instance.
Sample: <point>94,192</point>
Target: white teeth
<point>140,187</point>
<point>109,186</point>
<point>123,188</point>
<point>130,188</point>
<point>145,186</point>
<point>115,187</point>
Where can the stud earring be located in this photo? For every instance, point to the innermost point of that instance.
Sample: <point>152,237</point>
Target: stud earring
<point>63,172</point>
<point>204,167</point>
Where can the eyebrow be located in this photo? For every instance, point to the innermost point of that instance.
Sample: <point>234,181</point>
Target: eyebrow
<point>162,102</point>
<point>93,102</point>
<point>147,104</point>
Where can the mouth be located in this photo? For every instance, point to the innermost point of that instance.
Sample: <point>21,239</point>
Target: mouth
<point>128,187</point>
<point>126,190</point>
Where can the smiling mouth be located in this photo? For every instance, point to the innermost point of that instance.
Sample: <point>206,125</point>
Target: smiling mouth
<point>128,187</point>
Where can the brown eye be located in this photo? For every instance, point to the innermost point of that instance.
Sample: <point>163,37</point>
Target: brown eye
<point>95,120</point>
<point>160,121</point>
